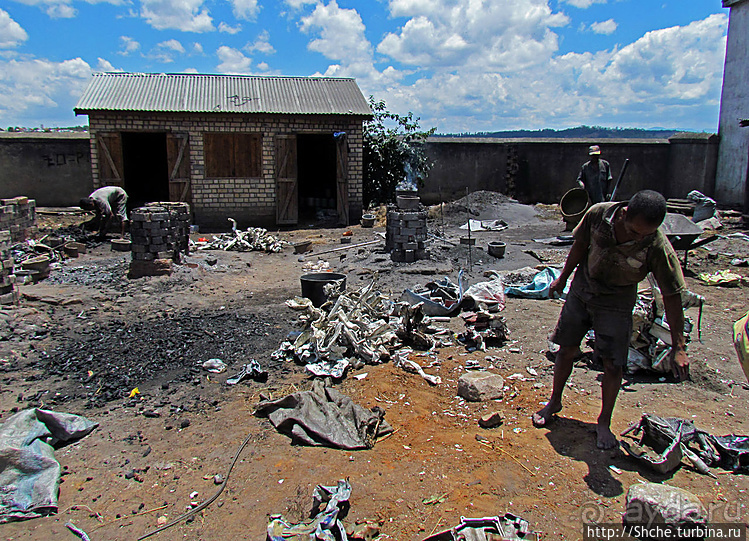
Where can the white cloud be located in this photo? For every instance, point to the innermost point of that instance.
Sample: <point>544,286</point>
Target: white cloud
<point>184,15</point>
<point>11,33</point>
<point>604,27</point>
<point>128,46</point>
<point>227,29</point>
<point>103,65</point>
<point>246,10</point>
<point>496,34</point>
<point>233,61</point>
<point>584,4</point>
<point>31,88</point>
<point>166,51</point>
<point>261,44</point>
<point>299,4</point>
<point>63,9</point>
<point>197,48</point>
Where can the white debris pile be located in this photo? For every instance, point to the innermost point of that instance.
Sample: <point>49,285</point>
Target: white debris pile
<point>353,331</point>
<point>252,239</point>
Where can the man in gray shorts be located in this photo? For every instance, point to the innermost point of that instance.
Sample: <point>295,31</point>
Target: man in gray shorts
<point>107,202</point>
<point>616,245</point>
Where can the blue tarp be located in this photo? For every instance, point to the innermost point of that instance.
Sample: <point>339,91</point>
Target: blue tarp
<point>539,287</point>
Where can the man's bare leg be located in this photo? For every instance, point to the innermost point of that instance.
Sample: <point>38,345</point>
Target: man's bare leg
<point>612,382</point>
<point>563,364</point>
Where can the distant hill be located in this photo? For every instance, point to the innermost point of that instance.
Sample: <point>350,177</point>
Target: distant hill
<point>581,132</point>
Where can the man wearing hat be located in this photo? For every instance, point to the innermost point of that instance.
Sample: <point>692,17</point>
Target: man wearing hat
<point>595,176</point>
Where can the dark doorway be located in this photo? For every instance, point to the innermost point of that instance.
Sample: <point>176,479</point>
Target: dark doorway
<point>145,168</point>
<point>316,155</point>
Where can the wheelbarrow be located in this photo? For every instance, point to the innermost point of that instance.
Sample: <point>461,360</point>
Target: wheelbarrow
<point>682,234</point>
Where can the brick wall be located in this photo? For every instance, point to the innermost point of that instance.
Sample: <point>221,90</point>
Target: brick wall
<point>248,200</point>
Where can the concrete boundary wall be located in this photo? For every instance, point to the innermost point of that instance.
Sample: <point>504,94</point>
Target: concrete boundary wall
<point>52,168</point>
<point>542,170</point>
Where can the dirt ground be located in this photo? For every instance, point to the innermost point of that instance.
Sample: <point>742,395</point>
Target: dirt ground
<point>84,337</point>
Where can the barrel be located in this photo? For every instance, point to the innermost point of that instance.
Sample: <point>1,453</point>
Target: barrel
<point>313,285</point>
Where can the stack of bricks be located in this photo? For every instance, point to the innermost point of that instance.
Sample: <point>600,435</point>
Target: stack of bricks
<point>153,243</point>
<point>8,291</point>
<point>405,234</point>
<point>179,217</point>
<point>18,215</point>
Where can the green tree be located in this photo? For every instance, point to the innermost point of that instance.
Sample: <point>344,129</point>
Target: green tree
<point>393,153</point>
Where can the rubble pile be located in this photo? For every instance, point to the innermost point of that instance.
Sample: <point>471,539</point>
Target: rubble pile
<point>8,291</point>
<point>252,239</point>
<point>155,241</point>
<point>18,215</point>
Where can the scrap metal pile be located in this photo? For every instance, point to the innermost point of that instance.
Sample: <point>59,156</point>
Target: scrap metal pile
<point>252,239</point>
<point>353,329</point>
<point>650,347</point>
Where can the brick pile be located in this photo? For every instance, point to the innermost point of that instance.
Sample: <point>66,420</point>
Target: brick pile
<point>405,234</point>
<point>159,235</point>
<point>8,291</point>
<point>18,215</point>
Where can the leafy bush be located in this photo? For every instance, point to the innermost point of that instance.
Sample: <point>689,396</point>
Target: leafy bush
<point>393,154</point>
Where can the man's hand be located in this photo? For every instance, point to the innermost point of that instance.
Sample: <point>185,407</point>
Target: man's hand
<point>557,286</point>
<point>680,364</point>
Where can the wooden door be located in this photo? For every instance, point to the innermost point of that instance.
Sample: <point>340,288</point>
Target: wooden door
<point>178,158</point>
<point>110,159</point>
<point>341,175</point>
<point>287,191</point>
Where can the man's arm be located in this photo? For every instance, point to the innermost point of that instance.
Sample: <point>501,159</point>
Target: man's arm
<point>580,178</point>
<point>675,317</point>
<point>576,255</point>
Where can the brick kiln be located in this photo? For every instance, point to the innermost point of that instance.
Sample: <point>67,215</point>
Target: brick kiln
<point>160,235</point>
<point>406,230</point>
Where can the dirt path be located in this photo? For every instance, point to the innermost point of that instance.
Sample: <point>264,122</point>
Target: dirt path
<point>152,334</point>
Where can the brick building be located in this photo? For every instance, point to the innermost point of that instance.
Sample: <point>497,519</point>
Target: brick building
<point>261,150</point>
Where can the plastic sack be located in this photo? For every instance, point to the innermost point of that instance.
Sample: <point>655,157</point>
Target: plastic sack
<point>539,287</point>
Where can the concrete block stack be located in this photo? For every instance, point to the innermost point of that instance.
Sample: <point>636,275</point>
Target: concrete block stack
<point>152,242</point>
<point>18,215</point>
<point>8,291</point>
<point>405,234</point>
<point>179,216</point>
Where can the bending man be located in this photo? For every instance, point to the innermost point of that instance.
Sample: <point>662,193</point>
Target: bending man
<point>616,245</point>
<point>107,202</point>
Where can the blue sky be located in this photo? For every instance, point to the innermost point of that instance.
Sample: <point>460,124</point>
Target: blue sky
<point>460,65</point>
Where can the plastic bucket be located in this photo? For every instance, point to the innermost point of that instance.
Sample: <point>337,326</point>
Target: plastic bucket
<point>497,248</point>
<point>313,285</point>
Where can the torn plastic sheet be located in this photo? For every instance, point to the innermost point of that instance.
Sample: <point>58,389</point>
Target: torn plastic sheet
<point>488,295</point>
<point>441,298</point>
<point>539,287</point>
<point>485,225</point>
<point>326,524</point>
<point>251,370</point>
<point>334,369</point>
<point>507,528</point>
<point>323,416</point>
<point>29,473</point>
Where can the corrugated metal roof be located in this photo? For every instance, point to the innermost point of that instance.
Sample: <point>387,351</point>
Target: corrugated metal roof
<point>198,93</point>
